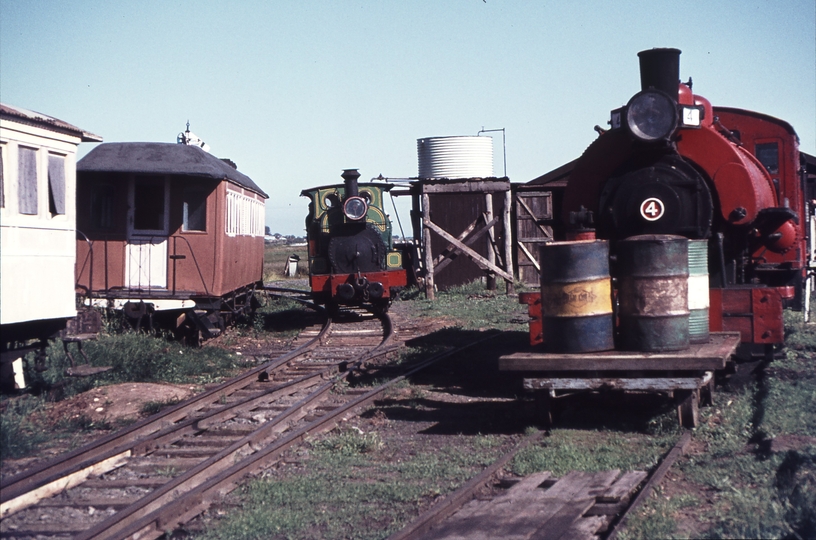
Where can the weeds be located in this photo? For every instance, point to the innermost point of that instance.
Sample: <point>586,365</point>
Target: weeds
<point>152,407</point>
<point>19,434</point>
<point>351,442</point>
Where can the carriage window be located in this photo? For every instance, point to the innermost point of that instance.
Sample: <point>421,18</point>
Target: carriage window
<point>195,210</point>
<point>102,206</point>
<point>56,184</point>
<point>768,155</point>
<point>148,204</point>
<point>27,180</point>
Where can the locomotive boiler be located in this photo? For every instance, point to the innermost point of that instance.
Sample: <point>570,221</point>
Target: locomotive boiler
<point>352,259</point>
<point>671,163</point>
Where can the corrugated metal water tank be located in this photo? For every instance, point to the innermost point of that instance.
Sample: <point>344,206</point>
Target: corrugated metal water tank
<point>455,157</point>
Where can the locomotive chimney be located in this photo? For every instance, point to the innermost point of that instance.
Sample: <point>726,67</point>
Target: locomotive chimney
<point>350,177</point>
<point>660,68</point>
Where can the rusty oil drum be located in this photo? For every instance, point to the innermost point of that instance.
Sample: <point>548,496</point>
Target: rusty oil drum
<point>652,274</point>
<point>576,297</point>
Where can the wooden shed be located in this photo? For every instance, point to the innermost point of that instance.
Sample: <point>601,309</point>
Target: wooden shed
<point>465,229</point>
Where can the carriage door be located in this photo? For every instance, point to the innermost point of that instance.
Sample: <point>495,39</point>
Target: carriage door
<point>148,229</point>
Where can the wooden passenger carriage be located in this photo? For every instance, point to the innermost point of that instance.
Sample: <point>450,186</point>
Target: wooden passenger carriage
<point>168,228</point>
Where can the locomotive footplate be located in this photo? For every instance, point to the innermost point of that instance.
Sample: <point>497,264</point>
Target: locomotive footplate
<point>686,375</point>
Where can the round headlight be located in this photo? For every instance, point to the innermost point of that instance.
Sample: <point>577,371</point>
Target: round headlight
<point>355,208</point>
<point>651,115</point>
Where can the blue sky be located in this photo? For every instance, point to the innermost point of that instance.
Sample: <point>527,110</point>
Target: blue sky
<point>296,91</point>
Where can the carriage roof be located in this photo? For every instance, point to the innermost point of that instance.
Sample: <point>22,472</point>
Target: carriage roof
<point>162,158</point>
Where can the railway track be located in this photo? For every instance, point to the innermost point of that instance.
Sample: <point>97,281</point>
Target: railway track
<point>163,470</point>
<point>579,505</point>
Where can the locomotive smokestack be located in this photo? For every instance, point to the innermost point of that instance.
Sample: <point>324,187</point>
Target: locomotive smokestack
<point>660,68</point>
<point>350,177</point>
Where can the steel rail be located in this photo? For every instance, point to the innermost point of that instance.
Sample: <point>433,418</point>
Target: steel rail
<point>453,502</point>
<point>107,447</point>
<point>192,492</point>
<point>678,450</point>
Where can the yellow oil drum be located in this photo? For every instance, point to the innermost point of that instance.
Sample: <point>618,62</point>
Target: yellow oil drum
<point>576,296</point>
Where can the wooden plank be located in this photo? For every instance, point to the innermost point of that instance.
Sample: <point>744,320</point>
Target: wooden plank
<point>568,485</point>
<point>445,252</point>
<point>623,486</point>
<point>709,356</point>
<point>511,521</point>
<point>475,257</point>
<point>66,482</point>
<point>508,241</point>
<point>427,251</point>
<point>530,256</point>
<point>584,529</point>
<point>523,487</point>
<point>547,234</point>
<point>559,525</point>
<point>445,259</point>
<point>601,482</point>
<point>455,500</point>
<point>465,186</point>
<point>607,509</point>
<point>613,383</point>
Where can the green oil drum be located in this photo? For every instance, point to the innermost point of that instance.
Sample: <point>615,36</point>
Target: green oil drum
<point>576,297</point>
<point>698,294</point>
<point>652,277</point>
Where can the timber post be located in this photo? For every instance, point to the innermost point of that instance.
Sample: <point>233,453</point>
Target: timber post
<point>491,241</point>
<point>426,242</point>
<point>508,239</point>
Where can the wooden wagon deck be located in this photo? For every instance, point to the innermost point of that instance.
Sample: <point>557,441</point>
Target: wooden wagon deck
<point>688,374</point>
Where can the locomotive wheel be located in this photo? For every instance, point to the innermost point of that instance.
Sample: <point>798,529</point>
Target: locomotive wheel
<point>380,307</point>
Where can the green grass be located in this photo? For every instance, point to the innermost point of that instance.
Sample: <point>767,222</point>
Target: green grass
<point>134,357</point>
<point>275,261</point>
<point>565,450</point>
<point>750,490</point>
<point>350,488</point>
<point>472,306</point>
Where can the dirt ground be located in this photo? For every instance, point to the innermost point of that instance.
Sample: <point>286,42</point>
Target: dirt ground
<point>118,403</point>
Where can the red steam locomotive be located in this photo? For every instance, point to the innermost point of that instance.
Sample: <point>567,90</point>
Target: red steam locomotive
<point>674,164</point>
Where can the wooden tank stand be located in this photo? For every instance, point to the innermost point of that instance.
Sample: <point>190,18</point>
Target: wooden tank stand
<point>686,375</point>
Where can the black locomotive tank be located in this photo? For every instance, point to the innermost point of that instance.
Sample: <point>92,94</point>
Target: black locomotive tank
<point>655,195</point>
<point>359,249</point>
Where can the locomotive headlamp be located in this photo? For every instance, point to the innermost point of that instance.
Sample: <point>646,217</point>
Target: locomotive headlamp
<point>651,115</point>
<point>355,208</point>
